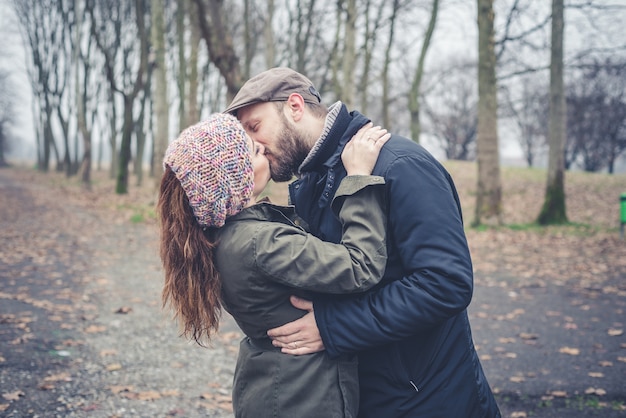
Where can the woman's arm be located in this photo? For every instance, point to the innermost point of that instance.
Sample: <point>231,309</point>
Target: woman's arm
<point>295,258</point>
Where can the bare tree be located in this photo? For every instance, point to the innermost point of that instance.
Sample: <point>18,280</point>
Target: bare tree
<point>160,87</point>
<point>41,29</point>
<point>530,114</point>
<point>116,25</point>
<point>349,54</point>
<point>182,8</point>
<point>596,122</point>
<point>268,35</point>
<point>450,109</point>
<point>372,27</point>
<point>489,188</point>
<point>7,115</point>
<point>387,63</point>
<point>193,107</point>
<point>219,42</point>
<point>86,102</point>
<point>553,210</point>
<point>414,94</point>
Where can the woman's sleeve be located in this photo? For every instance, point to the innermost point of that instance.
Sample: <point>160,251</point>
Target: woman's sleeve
<point>298,259</point>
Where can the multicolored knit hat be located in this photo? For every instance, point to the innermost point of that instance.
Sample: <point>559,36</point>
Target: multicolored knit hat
<point>213,164</point>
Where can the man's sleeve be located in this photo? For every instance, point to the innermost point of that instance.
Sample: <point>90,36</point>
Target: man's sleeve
<point>426,234</point>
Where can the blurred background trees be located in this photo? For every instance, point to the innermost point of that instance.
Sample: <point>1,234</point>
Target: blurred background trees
<point>113,80</point>
<point>7,118</point>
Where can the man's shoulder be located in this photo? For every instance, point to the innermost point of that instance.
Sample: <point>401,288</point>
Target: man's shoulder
<point>402,147</point>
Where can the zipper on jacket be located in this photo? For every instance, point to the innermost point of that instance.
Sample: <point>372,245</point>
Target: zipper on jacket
<point>414,386</point>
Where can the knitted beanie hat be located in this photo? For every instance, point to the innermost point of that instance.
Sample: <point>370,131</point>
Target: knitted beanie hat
<point>212,162</point>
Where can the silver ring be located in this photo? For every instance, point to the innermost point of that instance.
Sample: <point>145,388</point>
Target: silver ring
<point>295,345</point>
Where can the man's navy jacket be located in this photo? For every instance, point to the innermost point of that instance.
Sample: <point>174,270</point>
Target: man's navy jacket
<point>412,333</point>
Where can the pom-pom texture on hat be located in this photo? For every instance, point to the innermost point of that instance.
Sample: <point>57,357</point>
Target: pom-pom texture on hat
<point>212,161</point>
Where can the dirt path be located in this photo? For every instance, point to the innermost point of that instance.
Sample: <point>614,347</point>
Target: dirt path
<point>82,332</point>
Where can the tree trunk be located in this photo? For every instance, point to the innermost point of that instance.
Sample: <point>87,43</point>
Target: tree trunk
<point>65,128</point>
<point>349,54</point>
<point>121,185</point>
<point>368,49</point>
<point>219,44</point>
<point>489,189</point>
<point>268,34</point>
<point>81,98</point>
<point>113,134</point>
<point>160,91</point>
<point>193,107</point>
<point>158,19</point>
<point>414,94</point>
<point>335,56</point>
<point>248,42</point>
<point>140,138</point>
<point>553,210</point>
<point>387,63</point>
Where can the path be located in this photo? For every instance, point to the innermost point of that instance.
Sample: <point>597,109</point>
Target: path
<point>82,332</point>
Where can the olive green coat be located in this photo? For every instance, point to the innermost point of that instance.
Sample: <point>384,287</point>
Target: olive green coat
<point>263,257</point>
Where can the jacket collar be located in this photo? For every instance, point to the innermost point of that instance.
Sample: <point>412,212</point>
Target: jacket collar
<point>263,210</point>
<point>339,127</point>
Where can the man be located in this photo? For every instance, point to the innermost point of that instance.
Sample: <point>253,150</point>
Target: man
<point>412,333</point>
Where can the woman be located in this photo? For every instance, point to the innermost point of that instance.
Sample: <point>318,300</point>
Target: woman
<point>222,246</point>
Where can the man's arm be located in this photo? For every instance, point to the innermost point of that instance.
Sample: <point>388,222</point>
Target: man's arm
<point>427,233</point>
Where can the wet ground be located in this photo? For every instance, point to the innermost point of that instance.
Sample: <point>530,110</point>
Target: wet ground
<point>82,332</point>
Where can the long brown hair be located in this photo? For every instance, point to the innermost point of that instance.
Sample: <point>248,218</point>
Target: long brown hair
<point>192,283</point>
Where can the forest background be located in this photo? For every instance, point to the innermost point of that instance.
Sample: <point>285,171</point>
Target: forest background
<point>91,92</point>
<point>113,81</point>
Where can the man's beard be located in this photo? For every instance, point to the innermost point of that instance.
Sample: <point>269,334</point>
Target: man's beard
<point>290,151</point>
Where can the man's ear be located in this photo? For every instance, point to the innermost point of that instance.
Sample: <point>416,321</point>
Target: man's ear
<point>295,106</point>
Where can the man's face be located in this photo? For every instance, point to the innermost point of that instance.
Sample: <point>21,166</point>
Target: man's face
<point>285,147</point>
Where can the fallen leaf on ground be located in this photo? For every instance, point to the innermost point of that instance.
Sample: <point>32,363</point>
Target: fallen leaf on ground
<point>58,377</point>
<point>595,391</point>
<point>559,393</point>
<point>108,352</point>
<point>93,329</point>
<point>569,350</point>
<point>596,374</point>
<point>118,389</point>
<point>13,396</point>
<point>614,332</point>
<point>149,395</point>
<point>113,367</point>
<point>124,310</point>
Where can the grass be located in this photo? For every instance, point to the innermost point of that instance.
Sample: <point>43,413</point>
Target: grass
<point>586,252</point>
<point>592,200</point>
